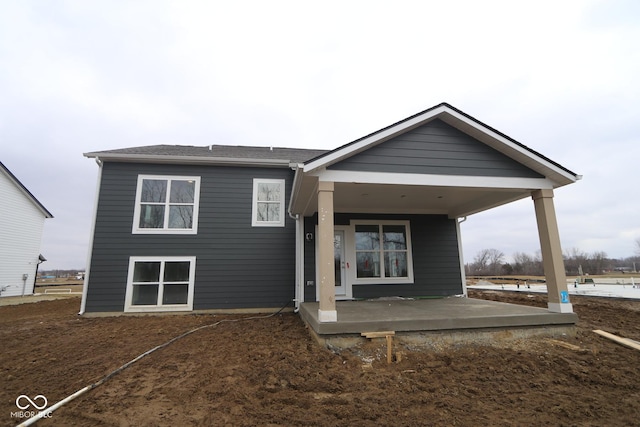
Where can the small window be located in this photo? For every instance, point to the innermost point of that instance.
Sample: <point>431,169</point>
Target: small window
<point>160,284</point>
<point>268,203</point>
<point>383,252</point>
<point>166,204</point>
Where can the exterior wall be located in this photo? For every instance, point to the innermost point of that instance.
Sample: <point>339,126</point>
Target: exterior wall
<point>21,225</point>
<point>436,148</point>
<point>436,261</point>
<point>237,265</point>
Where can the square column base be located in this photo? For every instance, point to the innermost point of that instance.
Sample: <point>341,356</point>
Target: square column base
<point>327,316</point>
<point>560,307</point>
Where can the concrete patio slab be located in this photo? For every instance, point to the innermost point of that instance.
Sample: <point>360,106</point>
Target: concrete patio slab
<point>443,314</point>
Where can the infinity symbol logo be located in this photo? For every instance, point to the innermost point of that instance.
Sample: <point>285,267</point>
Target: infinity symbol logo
<point>30,402</point>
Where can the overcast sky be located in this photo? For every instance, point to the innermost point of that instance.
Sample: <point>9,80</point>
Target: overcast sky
<point>562,77</point>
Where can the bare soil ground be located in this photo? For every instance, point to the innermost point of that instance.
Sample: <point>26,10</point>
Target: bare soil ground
<point>269,372</point>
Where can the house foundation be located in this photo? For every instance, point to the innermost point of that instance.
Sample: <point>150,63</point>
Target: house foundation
<point>436,323</point>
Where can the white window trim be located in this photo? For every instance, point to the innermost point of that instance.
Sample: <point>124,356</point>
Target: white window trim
<point>129,308</point>
<point>196,206</point>
<point>379,280</point>
<point>254,206</point>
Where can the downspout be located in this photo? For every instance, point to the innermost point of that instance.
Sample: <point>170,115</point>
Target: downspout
<point>41,259</point>
<point>85,287</point>
<point>299,291</point>
<point>463,273</point>
<point>297,297</point>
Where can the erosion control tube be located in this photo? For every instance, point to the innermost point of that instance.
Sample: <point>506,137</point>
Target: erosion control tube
<point>47,411</point>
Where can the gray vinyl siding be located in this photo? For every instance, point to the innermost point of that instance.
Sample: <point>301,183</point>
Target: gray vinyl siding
<point>237,265</point>
<point>436,261</point>
<point>436,148</point>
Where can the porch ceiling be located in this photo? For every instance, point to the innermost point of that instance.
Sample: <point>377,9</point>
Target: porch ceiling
<point>409,199</point>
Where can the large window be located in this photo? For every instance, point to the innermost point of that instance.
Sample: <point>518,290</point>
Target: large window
<point>268,203</point>
<point>166,204</point>
<point>383,252</point>
<point>160,284</point>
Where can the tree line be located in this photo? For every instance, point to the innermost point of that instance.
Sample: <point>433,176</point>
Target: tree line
<point>492,262</point>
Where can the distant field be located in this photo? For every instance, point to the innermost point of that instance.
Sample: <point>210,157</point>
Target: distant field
<point>513,279</point>
<point>58,285</point>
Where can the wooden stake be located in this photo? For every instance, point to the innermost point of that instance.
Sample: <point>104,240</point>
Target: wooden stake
<point>624,341</point>
<point>389,337</point>
<point>565,345</point>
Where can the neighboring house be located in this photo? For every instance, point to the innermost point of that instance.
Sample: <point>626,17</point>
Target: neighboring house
<point>182,228</point>
<point>21,223</point>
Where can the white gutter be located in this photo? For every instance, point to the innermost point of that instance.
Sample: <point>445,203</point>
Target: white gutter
<point>85,287</point>
<point>188,160</point>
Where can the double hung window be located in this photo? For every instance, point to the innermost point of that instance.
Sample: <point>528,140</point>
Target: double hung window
<point>268,203</point>
<point>166,204</point>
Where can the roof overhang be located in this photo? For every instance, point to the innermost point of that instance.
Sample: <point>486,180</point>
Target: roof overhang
<point>187,160</point>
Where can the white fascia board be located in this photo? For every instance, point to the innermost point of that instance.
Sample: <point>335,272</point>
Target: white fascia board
<point>377,137</point>
<point>188,160</point>
<point>511,145</point>
<point>433,180</point>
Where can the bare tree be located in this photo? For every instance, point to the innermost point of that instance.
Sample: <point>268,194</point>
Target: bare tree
<point>527,264</point>
<point>597,261</point>
<point>575,260</point>
<point>488,261</point>
<point>638,246</point>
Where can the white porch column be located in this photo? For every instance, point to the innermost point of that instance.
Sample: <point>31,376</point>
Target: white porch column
<point>557,293</point>
<point>326,265</point>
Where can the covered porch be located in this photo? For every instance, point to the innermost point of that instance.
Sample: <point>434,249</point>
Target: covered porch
<point>440,162</point>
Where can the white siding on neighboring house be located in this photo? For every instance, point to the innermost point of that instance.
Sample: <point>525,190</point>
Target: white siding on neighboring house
<point>21,225</point>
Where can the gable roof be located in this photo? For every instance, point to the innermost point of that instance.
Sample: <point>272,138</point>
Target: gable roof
<point>312,160</point>
<point>25,191</point>
<point>463,122</point>
<point>216,154</point>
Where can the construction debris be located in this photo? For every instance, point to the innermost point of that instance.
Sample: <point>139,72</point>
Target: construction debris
<point>624,341</point>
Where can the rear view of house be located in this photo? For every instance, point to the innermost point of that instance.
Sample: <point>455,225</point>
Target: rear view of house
<point>21,223</point>
<point>184,228</point>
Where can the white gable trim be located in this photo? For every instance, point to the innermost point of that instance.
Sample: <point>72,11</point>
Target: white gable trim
<point>349,150</point>
<point>461,122</point>
<point>501,140</point>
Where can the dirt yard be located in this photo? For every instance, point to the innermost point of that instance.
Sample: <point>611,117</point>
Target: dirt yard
<point>270,372</point>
